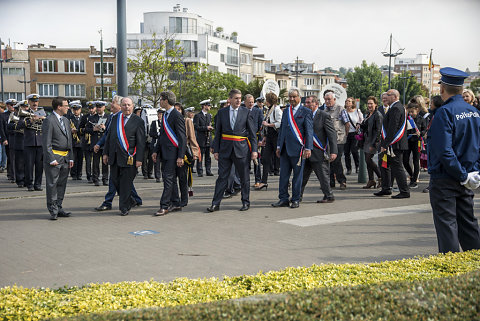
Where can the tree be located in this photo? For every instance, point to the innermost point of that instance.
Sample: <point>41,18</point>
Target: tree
<point>364,81</point>
<point>254,88</point>
<point>408,86</point>
<point>155,68</point>
<point>475,86</point>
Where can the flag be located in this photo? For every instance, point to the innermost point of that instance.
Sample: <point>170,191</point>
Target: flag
<point>384,161</point>
<point>430,61</point>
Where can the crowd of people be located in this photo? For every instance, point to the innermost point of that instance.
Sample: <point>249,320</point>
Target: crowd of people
<point>246,136</point>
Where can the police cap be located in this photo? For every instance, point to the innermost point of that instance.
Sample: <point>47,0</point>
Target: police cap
<point>33,97</point>
<point>11,101</point>
<point>90,104</point>
<point>206,102</point>
<point>190,109</point>
<point>452,76</point>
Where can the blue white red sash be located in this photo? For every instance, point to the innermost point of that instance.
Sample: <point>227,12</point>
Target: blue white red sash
<point>399,134</point>
<point>122,137</point>
<point>317,143</point>
<point>293,125</point>
<point>168,130</point>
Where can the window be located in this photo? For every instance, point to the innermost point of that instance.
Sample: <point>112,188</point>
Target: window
<point>12,71</point>
<point>294,83</point>
<point>107,68</point>
<point>232,71</point>
<point>282,84</point>
<point>246,59</point>
<point>76,90</point>
<point>308,93</point>
<point>47,66</point>
<point>222,57</point>
<point>74,66</point>
<point>182,25</point>
<point>17,96</point>
<point>132,44</point>
<point>232,56</point>
<point>213,46</point>
<point>309,81</point>
<point>107,92</point>
<point>273,68</point>
<point>48,90</point>
<point>212,68</point>
<point>246,77</point>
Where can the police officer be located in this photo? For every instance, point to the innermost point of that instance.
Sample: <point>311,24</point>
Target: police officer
<point>453,163</point>
<point>75,120</point>
<point>8,138</point>
<point>18,127</point>
<point>87,139</point>
<point>33,152</point>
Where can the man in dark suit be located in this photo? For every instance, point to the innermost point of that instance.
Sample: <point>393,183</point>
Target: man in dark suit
<point>57,156</point>
<point>203,128</point>
<point>324,149</point>
<point>235,143</point>
<point>394,143</point>
<point>123,151</point>
<point>257,115</point>
<point>154,133</point>
<point>171,146</point>
<point>75,117</point>
<point>295,141</point>
<point>8,139</point>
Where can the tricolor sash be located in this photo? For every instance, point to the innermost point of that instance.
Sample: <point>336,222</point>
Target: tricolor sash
<point>293,125</point>
<point>317,143</point>
<point>399,134</point>
<point>236,138</point>
<point>170,134</point>
<point>122,137</point>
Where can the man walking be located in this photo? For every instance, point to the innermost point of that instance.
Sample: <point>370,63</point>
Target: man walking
<point>203,128</point>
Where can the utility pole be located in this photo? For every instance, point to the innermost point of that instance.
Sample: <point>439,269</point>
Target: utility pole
<point>390,55</point>
<point>122,48</point>
<point>101,63</point>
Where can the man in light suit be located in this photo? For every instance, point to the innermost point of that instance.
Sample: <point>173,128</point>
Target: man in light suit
<point>324,150</point>
<point>393,145</point>
<point>124,155</point>
<point>57,156</point>
<point>295,141</point>
<point>171,145</point>
<point>235,143</point>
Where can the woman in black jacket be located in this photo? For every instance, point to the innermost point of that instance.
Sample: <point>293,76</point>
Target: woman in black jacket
<point>415,136</point>
<point>371,128</point>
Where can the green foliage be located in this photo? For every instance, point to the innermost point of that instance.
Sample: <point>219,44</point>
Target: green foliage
<point>475,86</point>
<point>20,303</point>
<point>254,88</point>
<point>364,81</point>
<point>407,84</point>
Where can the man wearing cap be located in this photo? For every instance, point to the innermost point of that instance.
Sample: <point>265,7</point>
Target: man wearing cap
<point>19,128</point>
<point>33,152</point>
<point>87,139</point>
<point>8,139</point>
<point>393,145</point>
<point>454,163</point>
<point>203,128</point>
<point>257,114</point>
<point>75,119</point>
<point>96,128</point>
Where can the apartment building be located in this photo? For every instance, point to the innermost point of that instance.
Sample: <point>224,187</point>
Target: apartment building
<point>15,72</point>
<point>418,67</point>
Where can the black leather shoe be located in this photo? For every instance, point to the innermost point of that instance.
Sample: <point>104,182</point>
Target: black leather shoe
<point>281,204</point>
<point>209,174</point>
<point>64,214</point>
<point>382,193</point>
<point>401,195</point>
<point>213,208</point>
<point>102,208</point>
<point>37,188</point>
<point>96,183</point>
<point>200,175</point>
<point>326,200</point>
<point>124,213</point>
<point>53,217</point>
<point>295,204</point>
<point>236,191</point>
<point>227,195</point>
<point>245,207</point>
<point>30,188</point>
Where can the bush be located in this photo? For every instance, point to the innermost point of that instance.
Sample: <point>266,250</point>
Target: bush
<point>21,303</point>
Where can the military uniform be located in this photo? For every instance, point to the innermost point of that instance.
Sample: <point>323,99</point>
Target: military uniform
<point>453,159</point>
<point>95,136</point>
<point>87,146</point>
<point>18,128</point>
<point>75,121</point>
<point>9,135</point>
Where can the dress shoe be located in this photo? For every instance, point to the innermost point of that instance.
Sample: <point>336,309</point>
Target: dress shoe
<point>227,195</point>
<point>281,204</point>
<point>124,213</point>
<point>174,208</point>
<point>295,204</point>
<point>37,188</point>
<point>236,191</point>
<point>20,185</point>
<point>158,180</point>
<point>96,183</point>
<point>200,175</point>
<point>209,174</point>
<point>161,212</point>
<point>64,214</point>
<point>401,195</point>
<point>383,193</point>
<point>102,208</point>
<point>30,189</point>
<point>326,200</point>
<point>53,217</point>
<point>244,207</point>
<point>213,208</point>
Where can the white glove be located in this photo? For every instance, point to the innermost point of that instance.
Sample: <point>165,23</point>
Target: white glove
<point>473,181</point>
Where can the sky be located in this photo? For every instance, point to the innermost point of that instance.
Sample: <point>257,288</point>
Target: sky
<point>331,33</point>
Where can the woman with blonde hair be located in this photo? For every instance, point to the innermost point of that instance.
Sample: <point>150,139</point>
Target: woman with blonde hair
<point>468,96</point>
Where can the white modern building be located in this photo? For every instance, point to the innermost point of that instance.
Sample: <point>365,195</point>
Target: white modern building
<point>418,67</point>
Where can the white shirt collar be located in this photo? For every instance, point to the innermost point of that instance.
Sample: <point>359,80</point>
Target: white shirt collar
<point>58,116</point>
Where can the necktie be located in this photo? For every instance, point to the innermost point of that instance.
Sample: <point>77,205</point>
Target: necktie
<point>234,118</point>
<point>62,124</point>
<point>386,109</point>
<point>125,120</point>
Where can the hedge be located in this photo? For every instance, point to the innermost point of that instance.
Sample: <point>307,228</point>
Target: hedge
<point>23,303</point>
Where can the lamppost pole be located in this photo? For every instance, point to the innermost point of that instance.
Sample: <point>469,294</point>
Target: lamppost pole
<point>101,64</point>
<point>122,48</point>
<point>390,55</point>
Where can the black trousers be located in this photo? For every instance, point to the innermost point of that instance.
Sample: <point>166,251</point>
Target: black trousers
<point>453,215</point>
<point>224,169</point>
<point>371,167</point>
<point>33,164</point>
<point>336,167</point>
<point>76,170</point>
<point>10,162</point>
<point>97,160</point>
<point>268,153</point>
<point>205,158</point>
<point>351,147</point>
<point>322,170</point>
<point>19,167</point>
<point>147,164</point>
<point>170,188</point>
<point>158,168</point>
<point>183,185</point>
<point>122,178</point>
<point>394,170</point>
<point>412,149</point>
<point>88,163</point>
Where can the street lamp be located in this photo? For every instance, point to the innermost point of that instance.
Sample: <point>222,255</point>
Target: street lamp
<point>25,82</point>
<point>1,67</point>
<point>390,55</point>
<point>296,71</point>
